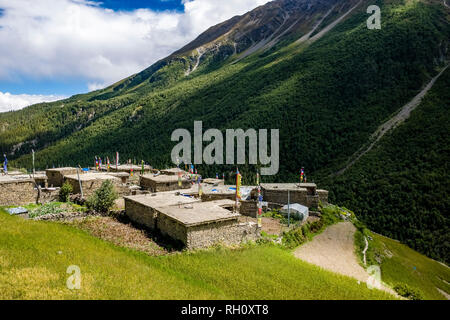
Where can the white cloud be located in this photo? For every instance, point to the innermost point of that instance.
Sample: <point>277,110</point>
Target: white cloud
<point>10,102</point>
<point>55,39</point>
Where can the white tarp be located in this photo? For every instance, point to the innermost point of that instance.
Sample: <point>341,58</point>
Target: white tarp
<point>296,210</point>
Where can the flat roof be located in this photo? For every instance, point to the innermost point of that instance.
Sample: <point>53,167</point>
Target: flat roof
<point>15,179</point>
<point>61,169</point>
<point>119,174</point>
<point>199,213</point>
<point>287,186</point>
<point>128,167</point>
<point>161,199</point>
<point>208,189</point>
<point>174,170</point>
<point>91,176</point>
<point>162,178</point>
<point>212,181</point>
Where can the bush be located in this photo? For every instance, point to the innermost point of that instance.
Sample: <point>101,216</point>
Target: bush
<point>65,192</point>
<point>293,238</point>
<point>103,198</point>
<point>408,292</point>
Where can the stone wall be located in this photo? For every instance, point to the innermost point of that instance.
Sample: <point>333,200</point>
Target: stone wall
<point>17,193</point>
<point>153,186</point>
<point>296,196</point>
<point>224,232</point>
<point>171,228</point>
<point>89,187</point>
<point>56,177</point>
<point>141,214</point>
<point>281,196</point>
<point>323,196</point>
<point>228,232</point>
<point>213,196</point>
<point>248,208</point>
<point>47,196</point>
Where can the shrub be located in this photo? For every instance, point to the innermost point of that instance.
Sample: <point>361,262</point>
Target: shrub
<point>405,291</point>
<point>293,238</point>
<point>65,192</point>
<point>103,198</point>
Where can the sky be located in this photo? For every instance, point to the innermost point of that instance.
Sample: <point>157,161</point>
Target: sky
<point>52,49</point>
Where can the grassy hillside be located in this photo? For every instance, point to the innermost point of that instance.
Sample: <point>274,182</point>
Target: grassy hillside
<point>401,187</point>
<point>401,265</point>
<point>34,257</point>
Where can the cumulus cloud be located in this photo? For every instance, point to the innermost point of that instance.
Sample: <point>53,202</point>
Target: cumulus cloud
<point>10,102</point>
<point>55,39</point>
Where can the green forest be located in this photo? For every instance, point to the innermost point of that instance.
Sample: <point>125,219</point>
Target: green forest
<point>326,98</point>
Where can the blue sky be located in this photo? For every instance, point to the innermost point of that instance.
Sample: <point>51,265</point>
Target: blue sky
<point>57,48</point>
<point>137,4</point>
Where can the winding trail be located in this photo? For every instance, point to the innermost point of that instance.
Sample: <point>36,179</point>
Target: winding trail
<point>365,250</point>
<point>392,123</point>
<point>334,250</point>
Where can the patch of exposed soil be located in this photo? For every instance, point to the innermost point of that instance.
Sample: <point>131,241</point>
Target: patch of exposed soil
<point>269,225</point>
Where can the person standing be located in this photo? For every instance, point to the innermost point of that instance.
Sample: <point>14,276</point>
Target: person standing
<point>5,165</point>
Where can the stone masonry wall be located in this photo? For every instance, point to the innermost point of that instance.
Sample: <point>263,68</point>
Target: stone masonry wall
<point>323,196</point>
<point>249,208</point>
<point>140,214</point>
<point>56,178</point>
<point>224,232</point>
<point>153,186</point>
<point>172,228</point>
<point>89,187</point>
<point>17,193</point>
<point>281,196</point>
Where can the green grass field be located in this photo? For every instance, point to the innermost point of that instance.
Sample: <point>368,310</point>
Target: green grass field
<point>402,265</point>
<point>34,257</point>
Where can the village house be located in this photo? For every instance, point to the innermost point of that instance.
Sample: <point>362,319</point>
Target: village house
<point>196,224</point>
<point>17,190</point>
<point>302,193</point>
<point>90,182</point>
<point>161,183</point>
<point>56,175</point>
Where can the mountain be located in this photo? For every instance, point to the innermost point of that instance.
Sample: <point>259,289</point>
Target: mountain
<point>311,68</point>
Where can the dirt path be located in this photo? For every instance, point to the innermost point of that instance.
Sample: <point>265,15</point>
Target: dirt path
<point>334,250</point>
<point>393,122</point>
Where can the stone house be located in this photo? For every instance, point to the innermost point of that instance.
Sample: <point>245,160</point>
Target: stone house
<point>196,224</point>
<point>302,193</point>
<point>141,208</point>
<point>161,183</point>
<point>90,182</point>
<point>55,176</point>
<point>17,190</point>
<point>204,224</point>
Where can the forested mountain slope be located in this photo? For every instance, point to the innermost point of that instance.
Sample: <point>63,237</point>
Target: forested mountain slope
<point>401,187</point>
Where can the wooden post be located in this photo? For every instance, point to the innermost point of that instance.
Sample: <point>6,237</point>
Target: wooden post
<point>79,181</point>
